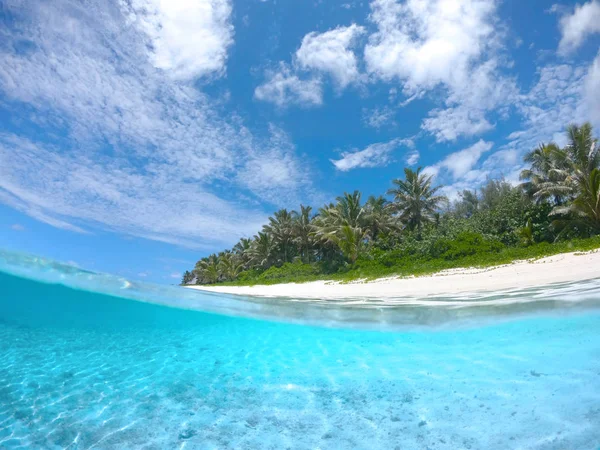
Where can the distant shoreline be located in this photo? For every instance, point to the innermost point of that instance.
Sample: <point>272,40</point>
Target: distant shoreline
<point>560,268</point>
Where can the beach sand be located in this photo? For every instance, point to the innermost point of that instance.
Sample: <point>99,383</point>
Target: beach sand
<point>566,267</point>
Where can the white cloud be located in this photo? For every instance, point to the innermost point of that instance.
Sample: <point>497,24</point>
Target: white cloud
<point>448,124</point>
<point>330,52</point>
<point>460,163</point>
<point>576,27</point>
<point>557,99</point>
<point>425,43</point>
<point>320,53</point>
<point>413,157</point>
<point>188,38</point>
<point>439,44</point>
<point>124,147</point>
<point>591,94</point>
<point>284,88</point>
<point>560,96</point>
<point>375,155</point>
<point>275,173</point>
<point>17,227</point>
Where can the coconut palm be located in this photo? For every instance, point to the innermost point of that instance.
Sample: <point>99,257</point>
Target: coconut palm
<point>230,265</point>
<point>344,224</point>
<point>415,199</point>
<point>302,230</point>
<point>262,249</point>
<point>378,216</point>
<point>208,269</point>
<point>242,249</point>
<point>280,227</point>
<point>583,213</point>
<point>546,175</point>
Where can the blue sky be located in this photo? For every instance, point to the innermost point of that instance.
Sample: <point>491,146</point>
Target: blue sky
<point>139,135</point>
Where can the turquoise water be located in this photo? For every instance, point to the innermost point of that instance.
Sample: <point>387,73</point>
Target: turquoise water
<point>81,369</point>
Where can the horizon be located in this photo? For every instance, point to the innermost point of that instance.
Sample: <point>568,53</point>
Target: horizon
<point>138,137</point>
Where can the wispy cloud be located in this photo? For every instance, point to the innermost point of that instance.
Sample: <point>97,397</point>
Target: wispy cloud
<point>127,147</point>
<point>284,88</point>
<point>379,117</point>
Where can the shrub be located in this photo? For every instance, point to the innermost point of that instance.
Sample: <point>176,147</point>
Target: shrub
<point>465,244</point>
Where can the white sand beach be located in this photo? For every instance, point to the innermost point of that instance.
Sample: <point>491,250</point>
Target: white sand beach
<point>561,268</point>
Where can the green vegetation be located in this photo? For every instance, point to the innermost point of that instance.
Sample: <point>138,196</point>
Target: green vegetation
<point>418,231</point>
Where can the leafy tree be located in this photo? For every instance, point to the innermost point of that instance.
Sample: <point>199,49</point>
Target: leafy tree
<point>467,205</point>
<point>187,277</point>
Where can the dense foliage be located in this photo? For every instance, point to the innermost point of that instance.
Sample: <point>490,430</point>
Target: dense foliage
<point>418,230</point>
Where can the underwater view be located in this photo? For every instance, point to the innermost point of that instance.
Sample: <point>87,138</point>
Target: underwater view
<point>93,361</point>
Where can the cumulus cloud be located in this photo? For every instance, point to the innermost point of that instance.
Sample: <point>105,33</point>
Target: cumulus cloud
<point>437,44</point>
<point>331,53</point>
<point>123,146</point>
<point>576,27</point>
<point>425,43</point>
<point>187,38</point>
<point>284,88</point>
<point>375,155</point>
<point>300,82</point>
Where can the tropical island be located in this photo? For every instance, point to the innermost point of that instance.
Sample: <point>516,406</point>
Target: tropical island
<point>415,231</point>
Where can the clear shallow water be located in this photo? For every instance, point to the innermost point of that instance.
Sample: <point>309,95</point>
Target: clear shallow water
<point>82,370</point>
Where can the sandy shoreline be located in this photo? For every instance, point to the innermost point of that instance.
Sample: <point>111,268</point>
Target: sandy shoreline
<point>560,268</point>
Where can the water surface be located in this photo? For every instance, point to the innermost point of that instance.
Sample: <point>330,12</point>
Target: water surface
<point>82,365</point>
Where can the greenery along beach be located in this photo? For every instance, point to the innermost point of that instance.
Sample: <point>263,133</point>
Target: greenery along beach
<point>415,229</point>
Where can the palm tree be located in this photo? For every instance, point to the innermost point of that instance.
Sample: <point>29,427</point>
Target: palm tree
<point>302,230</point>
<point>208,269</point>
<point>280,228</point>
<point>242,249</point>
<point>569,173</point>
<point>543,180</point>
<point>415,200</point>
<point>343,224</point>
<point>261,250</point>
<point>583,213</point>
<point>230,266</point>
<point>378,216</point>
